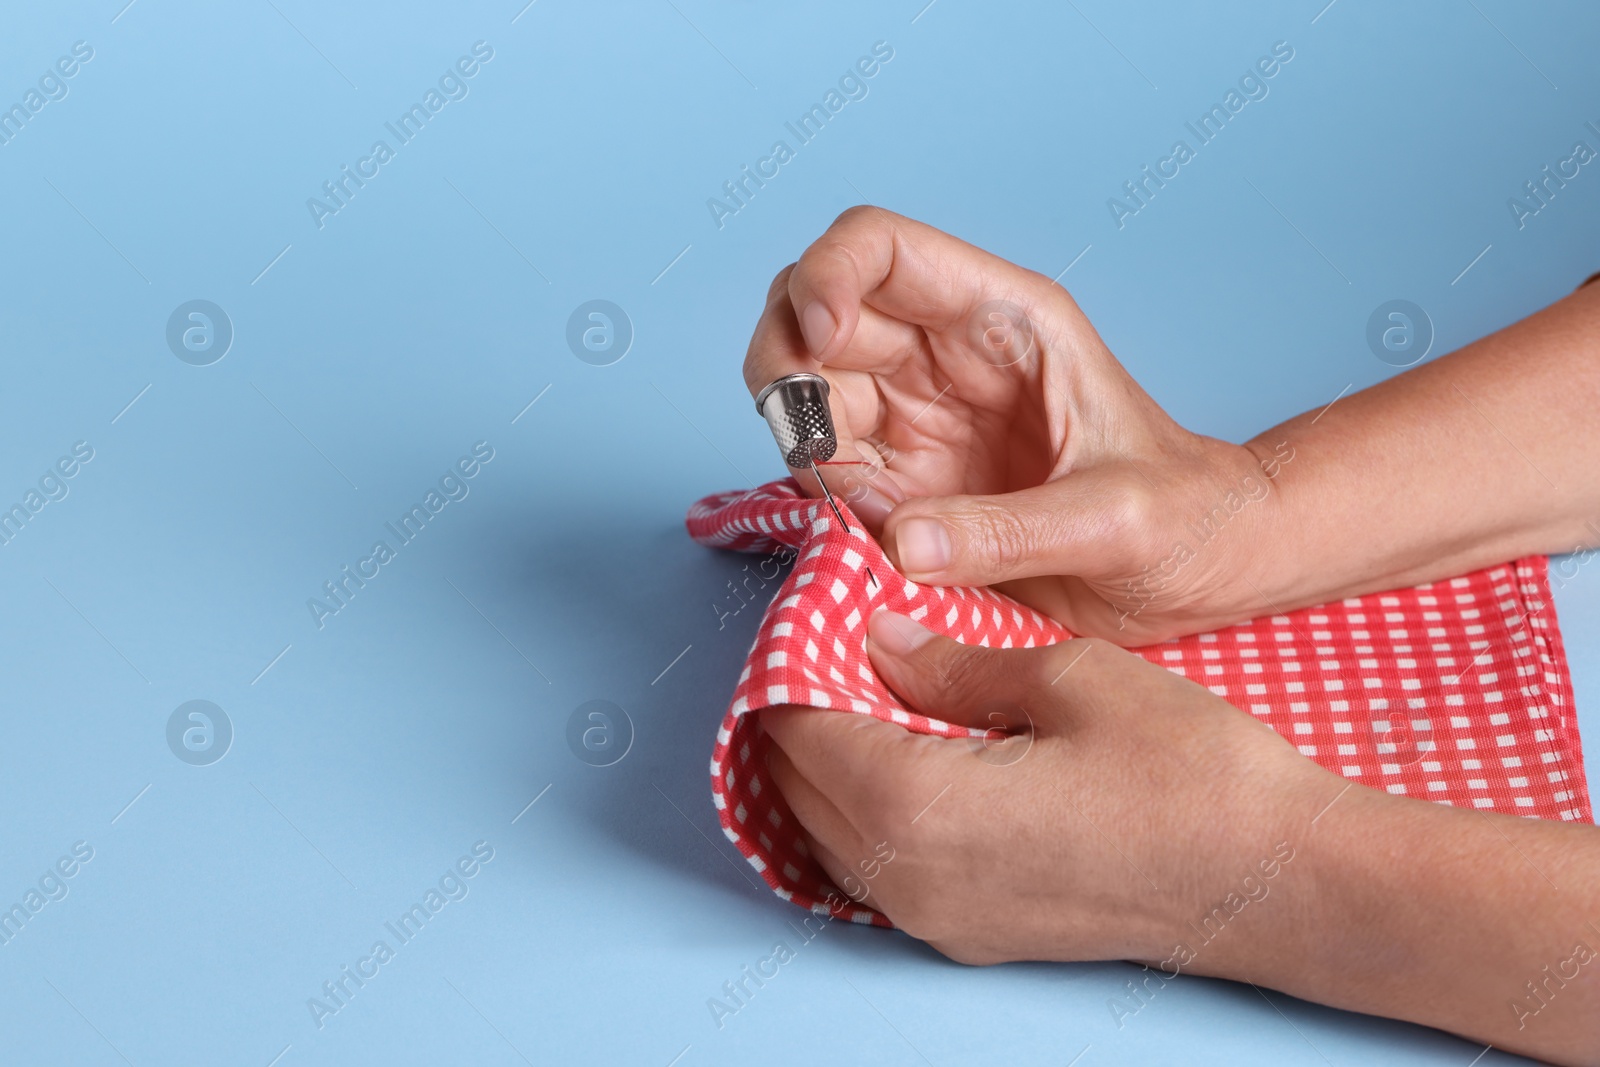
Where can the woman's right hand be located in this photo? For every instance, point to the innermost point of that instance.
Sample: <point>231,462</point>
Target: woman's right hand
<point>1000,442</point>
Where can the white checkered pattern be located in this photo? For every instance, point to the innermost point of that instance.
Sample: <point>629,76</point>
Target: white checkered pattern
<point>1455,692</point>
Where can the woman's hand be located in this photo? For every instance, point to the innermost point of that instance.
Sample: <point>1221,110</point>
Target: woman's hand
<point>1117,811</point>
<point>996,440</point>
<point>1110,802</point>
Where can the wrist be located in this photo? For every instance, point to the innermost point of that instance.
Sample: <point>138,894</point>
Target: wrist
<point>1344,927</point>
<point>1251,905</point>
<point>1276,541</point>
<point>1241,527</point>
<point>1426,913</point>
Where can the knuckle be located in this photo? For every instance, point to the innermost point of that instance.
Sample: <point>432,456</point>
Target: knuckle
<point>1097,645</point>
<point>854,215</point>
<point>1079,669</point>
<point>1129,509</point>
<point>1128,517</point>
<point>969,670</point>
<point>752,368</point>
<point>995,534</point>
<point>1051,662</point>
<point>780,283</point>
<point>1062,664</point>
<point>759,364</point>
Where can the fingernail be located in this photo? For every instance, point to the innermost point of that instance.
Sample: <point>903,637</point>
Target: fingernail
<point>897,634</point>
<point>817,325</point>
<point>872,506</point>
<point>923,546</point>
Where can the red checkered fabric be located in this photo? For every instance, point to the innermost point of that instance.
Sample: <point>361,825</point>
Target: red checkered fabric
<point>1456,691</point>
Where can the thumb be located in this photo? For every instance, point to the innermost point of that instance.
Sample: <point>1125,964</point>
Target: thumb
<point>1083,525</point>
<point>968,685</point>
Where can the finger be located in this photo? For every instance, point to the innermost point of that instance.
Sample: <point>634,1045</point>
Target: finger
<point>838,871</point>
<point>857,403</point>
<point>864,484</point>
<point>1083,524</point>
<point>866,768</point>
<point>968,685</point>
<point>906,269</point>
<point>881,345</point>
<point>880,340</point>
<point>827,833</point>
<point>824,824</point>
<point>776,347</point>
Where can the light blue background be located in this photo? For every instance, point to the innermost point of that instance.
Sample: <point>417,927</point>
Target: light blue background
<point>429,312</point>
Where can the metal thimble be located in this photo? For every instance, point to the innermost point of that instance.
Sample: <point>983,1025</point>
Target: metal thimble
<point>796,410</point>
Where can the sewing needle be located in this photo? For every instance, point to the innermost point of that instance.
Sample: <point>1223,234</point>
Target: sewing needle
<point>828,495</point>
<point>873,578</point>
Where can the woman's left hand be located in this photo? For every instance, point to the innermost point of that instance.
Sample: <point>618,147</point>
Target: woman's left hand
<point>1117,811</point>
<point>1111,803</point>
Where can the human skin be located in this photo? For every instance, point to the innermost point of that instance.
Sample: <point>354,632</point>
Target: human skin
<point>1143,802</point>
<point>1144,799</point>
<point>1059,480</point>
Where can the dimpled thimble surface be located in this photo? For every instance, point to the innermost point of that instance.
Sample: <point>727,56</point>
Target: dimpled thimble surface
<point>796,409</point>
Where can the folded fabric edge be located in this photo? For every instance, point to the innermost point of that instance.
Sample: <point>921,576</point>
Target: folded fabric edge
<point>1546,636</point>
